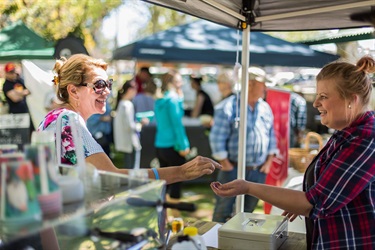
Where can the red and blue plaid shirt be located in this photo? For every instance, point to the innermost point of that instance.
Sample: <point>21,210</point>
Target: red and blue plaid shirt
<point>343,194</point>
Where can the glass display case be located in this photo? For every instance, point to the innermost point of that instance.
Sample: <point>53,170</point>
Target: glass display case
<point>103,219</point>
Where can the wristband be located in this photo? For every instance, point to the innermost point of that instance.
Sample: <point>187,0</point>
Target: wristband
<point>155,173</point>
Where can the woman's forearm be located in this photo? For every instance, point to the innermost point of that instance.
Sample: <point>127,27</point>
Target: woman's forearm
<point>169,174</point>
<point>293,201</point>
<point>191,170</point>
<point>102,162</point>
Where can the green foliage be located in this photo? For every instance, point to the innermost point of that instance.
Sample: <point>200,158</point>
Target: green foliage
<point>9,9</point>
<point>163,18</point>
<point>55,19</point>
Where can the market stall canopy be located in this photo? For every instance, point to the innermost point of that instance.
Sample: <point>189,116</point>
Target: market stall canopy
<point>18,42</point>
<point>271,15</point>
<point>342,36</point>
<point>206,42</point>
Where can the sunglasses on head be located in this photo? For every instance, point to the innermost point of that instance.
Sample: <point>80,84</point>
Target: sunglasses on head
<point>99,86</point>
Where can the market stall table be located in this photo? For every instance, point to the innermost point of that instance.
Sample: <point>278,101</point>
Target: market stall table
<point>295,241</point>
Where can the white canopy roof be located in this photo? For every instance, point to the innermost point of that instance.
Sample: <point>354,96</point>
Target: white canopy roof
<point>271,15</point>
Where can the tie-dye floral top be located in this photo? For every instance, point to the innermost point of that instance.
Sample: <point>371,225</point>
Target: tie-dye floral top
<point>68,154</point>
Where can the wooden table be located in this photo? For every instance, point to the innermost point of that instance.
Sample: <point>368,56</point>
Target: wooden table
<point>295,241</point>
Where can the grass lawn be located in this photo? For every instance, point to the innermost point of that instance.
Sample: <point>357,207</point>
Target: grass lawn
<point>203,197</point>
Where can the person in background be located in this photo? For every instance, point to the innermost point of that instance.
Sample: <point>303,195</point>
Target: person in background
<point>16,92</point>
<point>100,126</point>
<point>225,83</point>
<point>171,141</point>
<point>125,134</point>
<point>203,104</point>
<point>142,78</point>
<point>144,104</point>
<point>298,118</point>
<point>83,88</point>
<point>338,197</point>
<point>260,138</point>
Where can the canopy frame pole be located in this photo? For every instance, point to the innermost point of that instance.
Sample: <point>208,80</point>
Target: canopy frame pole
<point>225,9</point>
<point>315,11</point>
<point>245,61</point>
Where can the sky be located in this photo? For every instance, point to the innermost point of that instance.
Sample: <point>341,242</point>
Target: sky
<point>127,20</point>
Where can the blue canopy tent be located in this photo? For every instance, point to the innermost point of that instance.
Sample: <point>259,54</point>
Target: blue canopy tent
<point>206,42</point>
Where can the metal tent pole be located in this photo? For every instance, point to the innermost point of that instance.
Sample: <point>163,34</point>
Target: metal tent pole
<point>245,55</point>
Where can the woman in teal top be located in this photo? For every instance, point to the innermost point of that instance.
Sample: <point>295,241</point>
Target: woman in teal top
<point>171,142</point>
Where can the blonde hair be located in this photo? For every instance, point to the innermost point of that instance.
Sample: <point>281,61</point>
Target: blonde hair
<point>351,79</point>
<point>73,71</point>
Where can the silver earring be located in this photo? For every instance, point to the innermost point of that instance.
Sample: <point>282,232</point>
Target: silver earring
<point>350,107</point>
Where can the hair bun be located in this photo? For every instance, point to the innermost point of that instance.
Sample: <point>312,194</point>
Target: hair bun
<point>366,64</point>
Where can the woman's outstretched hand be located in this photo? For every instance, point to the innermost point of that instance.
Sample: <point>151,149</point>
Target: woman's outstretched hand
<point>198,166</point>
<point>233,188</point>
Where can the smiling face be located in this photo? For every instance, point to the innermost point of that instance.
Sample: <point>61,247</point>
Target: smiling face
<point>334,110</point>
<point>89,102</point>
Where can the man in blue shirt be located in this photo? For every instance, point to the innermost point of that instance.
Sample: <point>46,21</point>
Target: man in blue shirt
<point>298,117</point>
<point>260,142</point>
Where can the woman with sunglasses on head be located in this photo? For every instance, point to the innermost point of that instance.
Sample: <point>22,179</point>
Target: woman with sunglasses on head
<point>83,87</point>
<point>338,197</point>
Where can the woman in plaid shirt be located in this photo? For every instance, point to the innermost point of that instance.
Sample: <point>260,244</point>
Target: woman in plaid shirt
<point>338,197</point>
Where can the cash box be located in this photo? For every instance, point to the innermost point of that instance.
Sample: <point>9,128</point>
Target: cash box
<point>253,231</point>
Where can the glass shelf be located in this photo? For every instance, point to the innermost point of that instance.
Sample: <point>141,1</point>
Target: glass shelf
<point>104,206</point>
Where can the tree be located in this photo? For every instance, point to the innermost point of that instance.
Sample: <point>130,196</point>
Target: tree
<point>56,19</point>
<point>164,18</point>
